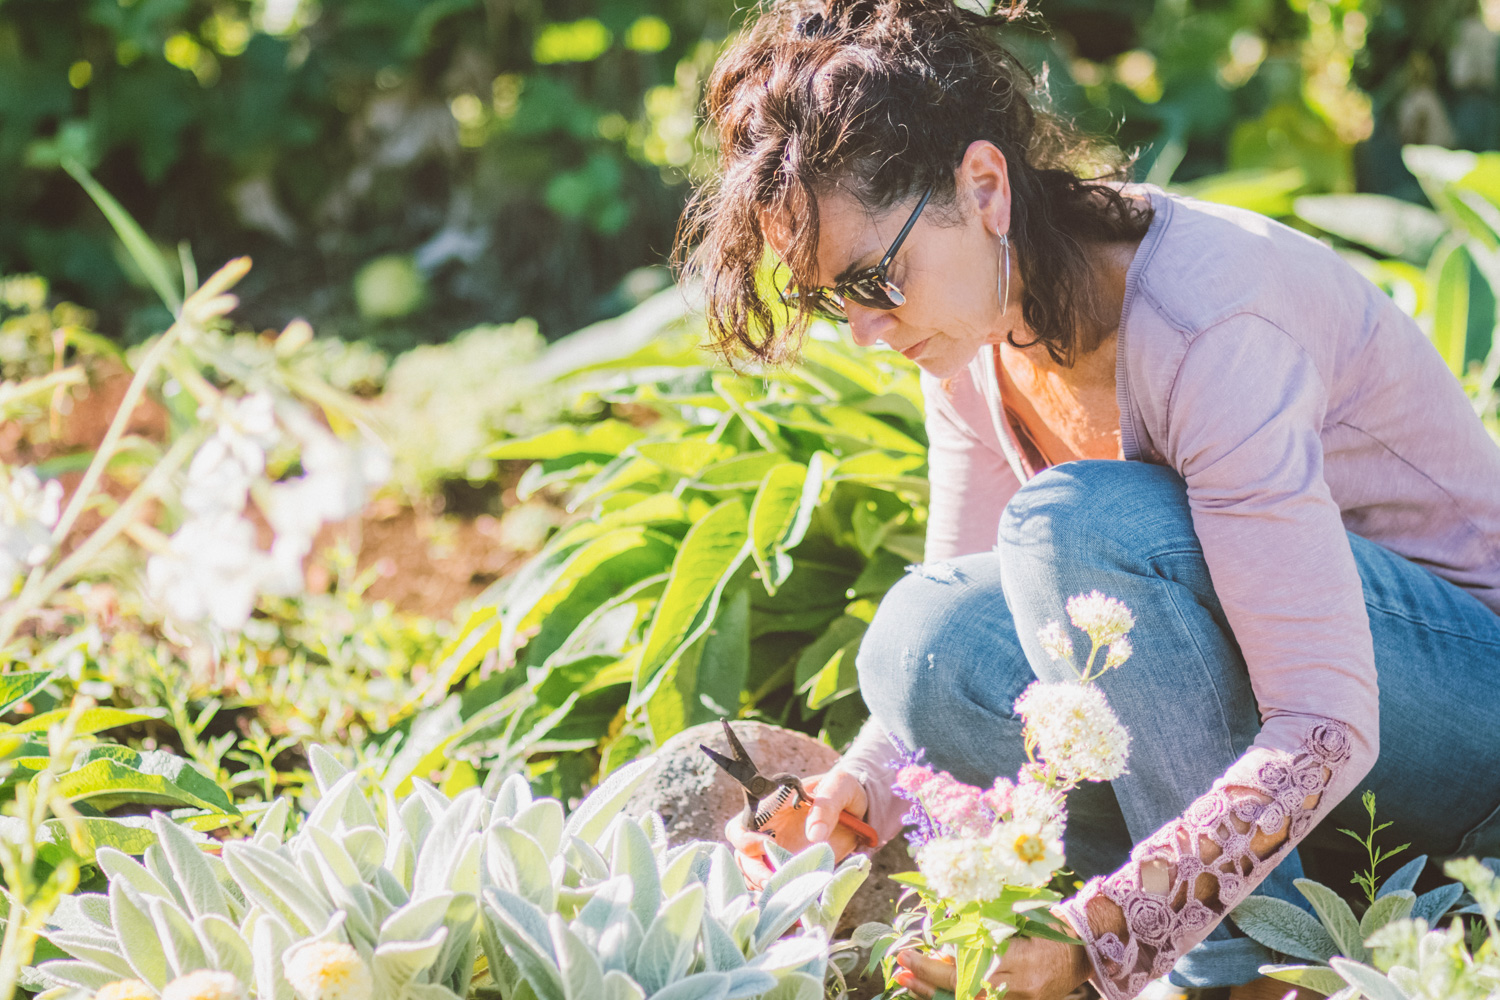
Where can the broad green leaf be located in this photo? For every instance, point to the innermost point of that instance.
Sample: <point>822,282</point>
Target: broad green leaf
<point>1284,927</point>
<point>149,259</point>
<point>842,631</point>
<point>709,553</point>
<point>686,457</point>
<point>90,721</point>
<point>1391,906</point>
<point>153,778</point>
<point>1337,918</point>
<point>1370,982</point>
<point>1448,275</point>
<point>1318,978</point>
<point>772,514</point>
<point>605,438</point>
<point>1267,191</point>
<point>1391,226</point>
<point>743,472</point>
<point>17,687</point>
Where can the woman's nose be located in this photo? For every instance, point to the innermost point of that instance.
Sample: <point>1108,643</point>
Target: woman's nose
<point>868,326</point>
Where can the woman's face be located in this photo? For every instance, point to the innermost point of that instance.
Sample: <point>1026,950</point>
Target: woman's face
<point>947,268</point>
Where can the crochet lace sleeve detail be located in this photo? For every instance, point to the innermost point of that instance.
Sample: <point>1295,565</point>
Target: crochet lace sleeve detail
<point>1185,878</point>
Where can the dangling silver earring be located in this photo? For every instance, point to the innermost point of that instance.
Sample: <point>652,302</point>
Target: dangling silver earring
<point>1004,283</point>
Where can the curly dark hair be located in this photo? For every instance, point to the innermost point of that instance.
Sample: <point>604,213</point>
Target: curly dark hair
<point>882,97</point>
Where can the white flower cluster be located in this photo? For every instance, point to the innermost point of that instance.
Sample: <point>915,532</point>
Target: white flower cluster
<point>329,970</point>
<point>28,510</point>
<point>212,569</point>
<point>1075,730</point>
<point>1015,852</point>
<point>1105,619</point>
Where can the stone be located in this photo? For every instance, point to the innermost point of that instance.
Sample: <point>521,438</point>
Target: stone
<point>695,799</point>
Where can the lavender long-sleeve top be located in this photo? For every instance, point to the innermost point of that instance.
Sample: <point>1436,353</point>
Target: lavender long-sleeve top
<point>1298,402</point>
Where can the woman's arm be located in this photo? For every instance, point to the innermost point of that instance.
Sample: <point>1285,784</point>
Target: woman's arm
<point>1245,412</point>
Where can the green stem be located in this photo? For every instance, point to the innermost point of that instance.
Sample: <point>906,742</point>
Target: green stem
<point>133,393</point>
<point>36,592</point>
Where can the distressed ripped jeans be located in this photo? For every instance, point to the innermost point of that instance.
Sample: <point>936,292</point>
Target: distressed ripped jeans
<point>954,644</point>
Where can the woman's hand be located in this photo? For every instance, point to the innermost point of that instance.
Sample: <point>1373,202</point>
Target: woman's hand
<point>1032,968</point>
<point>795,828</point>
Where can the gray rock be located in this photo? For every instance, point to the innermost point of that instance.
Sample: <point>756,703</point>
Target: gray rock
<point>695,799</point>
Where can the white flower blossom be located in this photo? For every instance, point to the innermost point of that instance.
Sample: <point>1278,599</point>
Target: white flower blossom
<point>29,509</point>
<point>1103,618</point>
<point>1054,641</point>
<point>205,984</point>
<point>211,571</point>
<point>329,970</point>
<point>1119,652</point>
<point>1035,803</point>
<point>962,869</point>
<point>1075,730</point>
<point>125,989</point>
<point>1030,851</point>
<point>219,478</point>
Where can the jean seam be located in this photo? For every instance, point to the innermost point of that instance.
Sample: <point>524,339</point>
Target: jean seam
<point>1423,623</point>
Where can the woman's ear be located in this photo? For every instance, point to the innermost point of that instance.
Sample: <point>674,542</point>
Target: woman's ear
<point>983,182</point>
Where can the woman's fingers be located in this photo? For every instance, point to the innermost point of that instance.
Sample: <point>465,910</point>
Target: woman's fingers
<point>925,975</point>
<point>832,793</point>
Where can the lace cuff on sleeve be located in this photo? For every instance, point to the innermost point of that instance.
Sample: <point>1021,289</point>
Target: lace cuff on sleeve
<point>1185,878</point>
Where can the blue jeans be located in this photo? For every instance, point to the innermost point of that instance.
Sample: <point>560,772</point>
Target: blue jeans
<point>952,647</point>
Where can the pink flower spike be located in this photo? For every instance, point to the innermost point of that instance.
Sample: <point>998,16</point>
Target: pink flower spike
<point>911,778</point>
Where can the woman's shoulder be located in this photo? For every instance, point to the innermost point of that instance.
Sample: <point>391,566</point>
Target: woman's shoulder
<point>1203,263</point>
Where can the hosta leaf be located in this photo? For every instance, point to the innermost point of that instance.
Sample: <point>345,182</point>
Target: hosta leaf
<point>786,906</point>
<point>1403,878</point>
<point>710,552</point>
<point>1337,918</point>
<point>1284,927</point>
<point>138,940</point>
<point>88,722</point>
<point>700,986</point>
<point>582,978</point>
<point>619,986</point>
<point>667,948</point>
<point>1370,982</point>
<point>84,975</point>
<point>517,863</point>
<point>594,814</point>
<point>193,875</point>
<point>17,687</point>
<point>771,516</point>
<point>1319,978</point>
<point>1392,906</point>
<point>180,942</point>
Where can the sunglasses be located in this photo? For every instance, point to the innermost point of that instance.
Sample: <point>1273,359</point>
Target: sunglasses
<point>870,287</point>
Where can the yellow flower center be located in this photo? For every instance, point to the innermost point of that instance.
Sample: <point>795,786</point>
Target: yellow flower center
<point>1029,848</point>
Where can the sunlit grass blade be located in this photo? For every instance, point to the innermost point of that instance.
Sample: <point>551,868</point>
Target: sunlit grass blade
<point>137,243</point>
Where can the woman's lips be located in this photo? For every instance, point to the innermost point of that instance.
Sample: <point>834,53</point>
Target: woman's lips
<point>911,352</point>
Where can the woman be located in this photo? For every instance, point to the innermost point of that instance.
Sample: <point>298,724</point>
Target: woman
<point>1188,407</point>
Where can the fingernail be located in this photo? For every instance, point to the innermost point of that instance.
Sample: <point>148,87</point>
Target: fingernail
<point>817,831</point>
<point>904,957</point>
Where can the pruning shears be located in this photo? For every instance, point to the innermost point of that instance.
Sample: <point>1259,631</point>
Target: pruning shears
<point>767,795</point>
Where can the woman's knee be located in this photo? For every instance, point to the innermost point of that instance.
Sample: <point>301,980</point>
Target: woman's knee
<point>1096,508</point>
<point>941,634</point>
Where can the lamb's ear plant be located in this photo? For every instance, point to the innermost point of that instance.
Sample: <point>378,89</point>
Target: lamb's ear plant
<point>378,899</point>
<point>1336,939</point>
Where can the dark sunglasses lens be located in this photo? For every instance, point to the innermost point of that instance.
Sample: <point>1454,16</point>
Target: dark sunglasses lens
<point>871,292</point>
<point>818,302</point>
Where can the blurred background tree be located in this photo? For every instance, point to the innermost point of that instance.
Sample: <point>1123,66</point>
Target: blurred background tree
<point>402,170</point>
